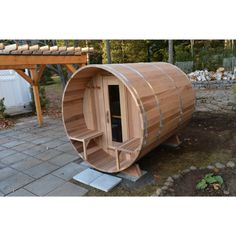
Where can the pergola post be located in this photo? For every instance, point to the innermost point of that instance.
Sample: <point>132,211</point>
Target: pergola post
<point>35,77</point>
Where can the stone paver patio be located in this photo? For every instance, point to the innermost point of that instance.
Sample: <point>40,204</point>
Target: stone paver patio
<point>38,161</point>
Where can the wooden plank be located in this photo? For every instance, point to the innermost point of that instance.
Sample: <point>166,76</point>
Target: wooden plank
<point>87,49</point>
<point>23,75</point>
<point>20,49</point>
<point>11,47</point>
<point>62,48</point>
<point>36,96</point>
<point>16,67</point>
<point>70,68</point>
<point>34,47</point>
<point>44,48</point>
<point>40,72</point>
<point>40,59</point>
<point>54,48</point>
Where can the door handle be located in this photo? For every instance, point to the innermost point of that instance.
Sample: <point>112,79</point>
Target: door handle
<point>107,115</point>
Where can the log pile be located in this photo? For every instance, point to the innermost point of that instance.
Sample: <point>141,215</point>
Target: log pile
<point>219,74</point>
<point>26,49</point>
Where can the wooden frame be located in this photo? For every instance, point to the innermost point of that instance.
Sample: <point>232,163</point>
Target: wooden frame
<point>22,57</point>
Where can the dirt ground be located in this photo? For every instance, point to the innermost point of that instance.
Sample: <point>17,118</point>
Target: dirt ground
<point>186,185</point>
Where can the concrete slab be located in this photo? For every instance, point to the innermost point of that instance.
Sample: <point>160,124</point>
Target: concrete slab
<point>87,176</point>
<point>35,150</point>
<point>23,147</point>
<point>63,159</point>
<point>42,140</point>
<point>55,143</point>
<point>85,164</point>
<point>2,148</point>
<point>6,153</point>
<point>21,193</point>
<point>43,186</point>
<point>13,143</point>
<point>105,182</point>
<point>68,189</point>
<point>7,172</point>
<point>26,164</point>
<point>14,182</point>
<point>66,147</point>
<point>68,171</point>
<point>131,178</point>
<point>47,155</point>
<point>40,170</point>
<point>14,158</point>
<point>4,139</point>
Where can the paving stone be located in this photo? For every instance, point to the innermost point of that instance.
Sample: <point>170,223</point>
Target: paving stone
<point>170,179</point>
<point>219,165</point>
<point>176,176</point>
<point>31,137</point>
<point>2,148</point>
<point>68,189</point>
<point>87,176</point>
<point>47,155</point>
<point>130,177</point>
<point>158,192</point>
<point>230,164</point>
<point>5,139</point>
<point>105,182</point>
<point>2,165</point>
<point>14,182</point>
<point>42,140</point>
<point>12,143</point>
<point>6,172</point>
<point>14,158</point>
<point>26,163</point>
<point>66,147</point>
<point>24,146</point>
<point>65,138</point>
<point>54,143</point>
<point>21,193</point>
<point>35,150</point>
<point>63,159</point>
<point>6,153</point>
<point>193,168</point>
<point>210,167</point>
<point>41,170</point>
<point>85,164</point>
<point>69,170</point>
<point>44,185</point>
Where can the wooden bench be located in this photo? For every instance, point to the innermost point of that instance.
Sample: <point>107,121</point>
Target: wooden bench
<point>129,146</point>
<point>85,137</point>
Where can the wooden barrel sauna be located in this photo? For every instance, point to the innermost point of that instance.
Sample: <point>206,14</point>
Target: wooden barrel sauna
<point>114,114</point>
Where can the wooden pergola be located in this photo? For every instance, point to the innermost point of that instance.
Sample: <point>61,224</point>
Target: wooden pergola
<point>35,59</point>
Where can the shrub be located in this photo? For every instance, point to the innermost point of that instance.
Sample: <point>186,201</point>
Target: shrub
<point>208,180</point>
<point>2,108</point>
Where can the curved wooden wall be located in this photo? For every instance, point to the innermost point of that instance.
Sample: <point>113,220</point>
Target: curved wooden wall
<point>162,93</point>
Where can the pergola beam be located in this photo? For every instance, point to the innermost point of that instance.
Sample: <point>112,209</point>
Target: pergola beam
<point>17,67</point>
<point>70,68</point>
<point>26,77</point>
<point>14,60</point>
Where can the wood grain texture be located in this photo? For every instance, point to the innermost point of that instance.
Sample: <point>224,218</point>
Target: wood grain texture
<point>157,100</point>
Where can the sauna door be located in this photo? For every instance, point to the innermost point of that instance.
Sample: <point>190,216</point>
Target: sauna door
<point>115,108</point>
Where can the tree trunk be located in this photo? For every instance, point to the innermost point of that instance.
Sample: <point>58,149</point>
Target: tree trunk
<point>170,52</point>
<point>108,51</point>
<point>192,44</point>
